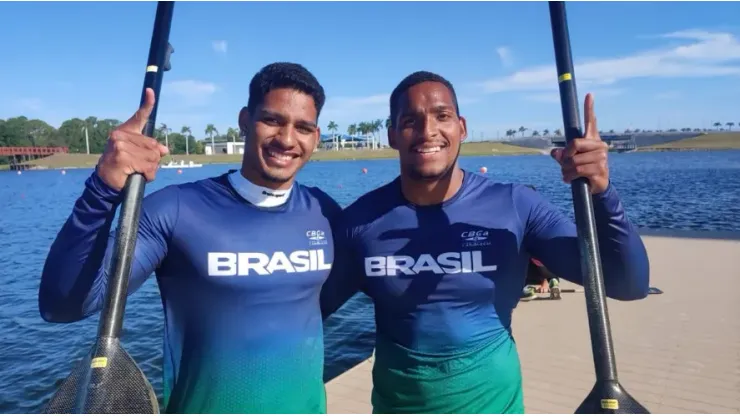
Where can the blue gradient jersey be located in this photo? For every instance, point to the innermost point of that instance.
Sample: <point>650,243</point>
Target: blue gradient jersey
<point>444,280</point>
<point>240,287</point>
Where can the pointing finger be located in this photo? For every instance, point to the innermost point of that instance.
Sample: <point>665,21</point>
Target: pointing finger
<point>137,122</point>
<point>592,131</point>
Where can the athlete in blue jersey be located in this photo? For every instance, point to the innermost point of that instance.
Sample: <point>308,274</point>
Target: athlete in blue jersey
<point>239,258</point>
<point>443,253</point>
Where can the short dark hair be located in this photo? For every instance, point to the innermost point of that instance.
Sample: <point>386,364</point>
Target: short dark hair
<point>284,75</point>
<point>417,78</point>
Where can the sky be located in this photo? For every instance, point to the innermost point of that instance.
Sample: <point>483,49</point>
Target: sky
<point>650,65</point>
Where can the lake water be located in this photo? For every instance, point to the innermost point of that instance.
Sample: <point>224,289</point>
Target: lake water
<point>682,190</point>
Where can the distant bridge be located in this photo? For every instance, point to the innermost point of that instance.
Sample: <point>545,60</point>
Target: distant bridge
<point>617,143</point>
<point>31,150</point>
<point>20,155</point>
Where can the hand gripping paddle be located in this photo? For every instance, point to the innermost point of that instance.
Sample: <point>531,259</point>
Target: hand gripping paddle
<point>107,380</point>
<point>607,395</point>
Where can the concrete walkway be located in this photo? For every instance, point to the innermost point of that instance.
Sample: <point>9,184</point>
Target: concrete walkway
<point>678,352</point>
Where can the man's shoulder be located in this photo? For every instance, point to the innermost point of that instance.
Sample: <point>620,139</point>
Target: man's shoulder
<point>372,205</point>
<point>329,207</point>
<point>480,186</point>
<point>173,194</point>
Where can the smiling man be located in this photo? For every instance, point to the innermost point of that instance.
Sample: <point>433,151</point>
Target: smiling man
<point>443,253</point>
<point>239,258</point>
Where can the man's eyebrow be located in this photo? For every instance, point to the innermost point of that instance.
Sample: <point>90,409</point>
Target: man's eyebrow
<point>442,107</point>
<point>307,123</point>
<point>280,117</point>
<point>405,111</point>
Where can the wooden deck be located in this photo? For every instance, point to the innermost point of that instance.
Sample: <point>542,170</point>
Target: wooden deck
<point>678,352</point>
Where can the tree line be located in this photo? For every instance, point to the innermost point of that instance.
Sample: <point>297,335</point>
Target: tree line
<point>77,134</point>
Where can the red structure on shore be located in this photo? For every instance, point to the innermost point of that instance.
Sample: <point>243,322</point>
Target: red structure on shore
<point>20,156</point>
<point>31,150</point>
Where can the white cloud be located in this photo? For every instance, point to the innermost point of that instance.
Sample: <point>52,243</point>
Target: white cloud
<point>191,92</point>
<point>504,54</point>
<point>355,109</point>
<point>554,97</point>
<point>708,54</point>
<point>667,95</point>
<point>220,46</point>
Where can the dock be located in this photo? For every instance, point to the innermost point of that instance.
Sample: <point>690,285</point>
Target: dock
<point>677,352</point>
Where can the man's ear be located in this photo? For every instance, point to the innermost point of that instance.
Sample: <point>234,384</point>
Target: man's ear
<point>463,128</point>
<point>392,138</point>
<point>244,120</point>
<point>318,138</point>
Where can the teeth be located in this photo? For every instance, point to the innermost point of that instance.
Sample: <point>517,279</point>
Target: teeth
<point>429,149</point>
<point>279,156</point>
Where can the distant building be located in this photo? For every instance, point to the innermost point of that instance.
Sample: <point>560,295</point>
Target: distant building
<point>616,142</point>
<point>345,141</point>
<point>224,148</point>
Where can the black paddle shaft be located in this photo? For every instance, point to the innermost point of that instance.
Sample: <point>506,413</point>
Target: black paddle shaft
<point>111,319</point>
<point>593,282</point>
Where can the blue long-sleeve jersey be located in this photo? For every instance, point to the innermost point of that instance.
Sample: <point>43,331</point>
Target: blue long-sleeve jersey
<point>445,278</point>
<point>240,287</point>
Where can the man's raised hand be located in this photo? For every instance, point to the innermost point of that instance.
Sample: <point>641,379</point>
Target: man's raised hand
<point>128,151</point>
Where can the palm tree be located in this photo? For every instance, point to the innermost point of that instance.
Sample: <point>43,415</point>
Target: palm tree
<point>163,129</point>
<point>210,131</point>
<point>186,132</point>
<point>546,132</point>
<point>558,132</point>
<point>522,129</point>
<point>363,128</point>
<point>717,125</point>
<point>352,130</point>
<point>333,127</point>
<point>377,126</point>
<point>729,125</point>
<point>388,122</point>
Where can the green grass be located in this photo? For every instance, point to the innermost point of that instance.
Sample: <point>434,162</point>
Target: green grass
<point>74,160</point>
<point>714,141</point>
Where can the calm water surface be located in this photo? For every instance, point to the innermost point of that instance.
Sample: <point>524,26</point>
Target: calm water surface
<point>683,190</point>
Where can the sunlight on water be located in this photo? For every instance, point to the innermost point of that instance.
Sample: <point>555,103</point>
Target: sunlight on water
<point>691,190</point>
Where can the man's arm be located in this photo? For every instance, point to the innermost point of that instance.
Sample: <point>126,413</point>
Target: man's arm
<point>347,275</point>
<point>551,237</point>
<point>75,276</point>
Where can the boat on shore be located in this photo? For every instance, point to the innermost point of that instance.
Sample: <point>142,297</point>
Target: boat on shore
<point>181,164</point>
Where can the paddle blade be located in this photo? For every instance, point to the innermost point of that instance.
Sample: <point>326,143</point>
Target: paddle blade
<point>609,397</point>
<point>107,380</point>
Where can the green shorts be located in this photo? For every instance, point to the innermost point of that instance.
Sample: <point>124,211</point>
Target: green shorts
<point>484,379</point>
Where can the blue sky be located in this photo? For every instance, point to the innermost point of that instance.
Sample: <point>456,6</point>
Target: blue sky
<point>650,65</point>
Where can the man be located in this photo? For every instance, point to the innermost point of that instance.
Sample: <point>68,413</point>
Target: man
<point>539,279</point>
<point>239,258</point>
<point>443,253</point>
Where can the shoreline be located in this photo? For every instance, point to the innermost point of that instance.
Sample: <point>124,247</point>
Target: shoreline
<point>67,161</point>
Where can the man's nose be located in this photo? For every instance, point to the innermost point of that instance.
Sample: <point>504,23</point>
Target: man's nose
<point>429,127</point>
<point>287,137</point>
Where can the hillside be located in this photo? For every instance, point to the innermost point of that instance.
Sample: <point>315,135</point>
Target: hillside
<point>713,141</point>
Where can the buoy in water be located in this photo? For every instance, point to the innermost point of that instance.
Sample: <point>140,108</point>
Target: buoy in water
<point>364,170</point>
<point>19,172</point>
<point>64,172</point>
<point>179,171</point>
<point>483,169</point>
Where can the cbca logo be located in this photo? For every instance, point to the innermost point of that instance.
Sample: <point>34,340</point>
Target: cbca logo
<point>316,237</point>
<point>475,238</point>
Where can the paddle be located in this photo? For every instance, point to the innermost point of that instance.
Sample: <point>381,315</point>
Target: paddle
<point>607,395</point>
<point>108,380</point>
